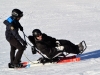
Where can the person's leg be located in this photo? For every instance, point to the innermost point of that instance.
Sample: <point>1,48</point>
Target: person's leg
<point>69,47</point>
<point>18,56</point>
<point>15,43</point>
<point>12,54</point>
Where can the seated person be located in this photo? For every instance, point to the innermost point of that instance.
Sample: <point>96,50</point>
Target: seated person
<point>52,47</point>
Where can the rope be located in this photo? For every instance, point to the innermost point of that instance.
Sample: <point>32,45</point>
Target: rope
<point>28,58</point>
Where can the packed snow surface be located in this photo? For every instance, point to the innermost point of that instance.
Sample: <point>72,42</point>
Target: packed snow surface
<point>73,20</point>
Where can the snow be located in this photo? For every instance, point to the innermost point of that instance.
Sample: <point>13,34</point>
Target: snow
<point>74,20</point>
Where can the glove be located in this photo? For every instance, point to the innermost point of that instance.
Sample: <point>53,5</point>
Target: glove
<point>60,48</point>
<point>21,28</point>
<point>24,43</point>
<point>33,50</point>
<point>57,43</point>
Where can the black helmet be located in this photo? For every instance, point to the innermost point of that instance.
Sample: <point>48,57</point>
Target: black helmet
<point>36,33</point>
<point>17,13</point>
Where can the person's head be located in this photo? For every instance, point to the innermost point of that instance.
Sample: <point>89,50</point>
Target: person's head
<point>37,34</point>
<point>17,14</point>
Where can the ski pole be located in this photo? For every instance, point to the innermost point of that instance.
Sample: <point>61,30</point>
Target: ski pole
<point>24,35</point>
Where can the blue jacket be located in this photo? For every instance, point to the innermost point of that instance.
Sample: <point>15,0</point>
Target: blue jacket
<point>12,27</point>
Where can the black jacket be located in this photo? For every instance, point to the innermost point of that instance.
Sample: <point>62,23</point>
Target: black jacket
<point>46,46</point>
<point>12,27</point>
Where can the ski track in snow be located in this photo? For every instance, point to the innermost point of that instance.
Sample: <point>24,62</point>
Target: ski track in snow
<point>74,20</point>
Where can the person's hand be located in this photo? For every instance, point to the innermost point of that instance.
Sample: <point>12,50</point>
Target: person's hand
<point>21,28</point>
<point>60,48</point>
<point>24,43</point>
<point>57,43</point>
<point>33,50</point>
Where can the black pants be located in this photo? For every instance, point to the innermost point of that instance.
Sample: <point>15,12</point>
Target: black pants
<point>15,57</point>
<point>69,47</point>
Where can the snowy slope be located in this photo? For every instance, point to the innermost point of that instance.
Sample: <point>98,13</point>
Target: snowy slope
<point>74,20</point>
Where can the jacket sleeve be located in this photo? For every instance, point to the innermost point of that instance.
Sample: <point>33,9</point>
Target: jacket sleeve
<point>31,39</point>
<point>21,28</point>
<point>15,33</point>
<point>51,41</point>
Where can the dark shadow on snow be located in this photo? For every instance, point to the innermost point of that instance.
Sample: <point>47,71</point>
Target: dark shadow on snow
<point>89,55</point>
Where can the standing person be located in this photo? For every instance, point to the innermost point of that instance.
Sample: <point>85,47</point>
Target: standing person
<point>14,39</point>
<point>52,47</point>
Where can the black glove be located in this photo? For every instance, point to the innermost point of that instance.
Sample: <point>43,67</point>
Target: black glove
<point>24,43</point>
<point>21,28</point>
<point>33,50</point>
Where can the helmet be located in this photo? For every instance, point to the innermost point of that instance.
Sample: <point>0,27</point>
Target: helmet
<point>36,33</point>
<point>17,13</point>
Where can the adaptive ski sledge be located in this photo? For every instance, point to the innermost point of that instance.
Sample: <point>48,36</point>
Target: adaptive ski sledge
<point>57,60</point>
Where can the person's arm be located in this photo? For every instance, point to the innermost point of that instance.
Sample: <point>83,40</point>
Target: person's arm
<point>31,39</point>
<point>33,48</point>
<point>15,33</point>
<point>51,41</point>
<point>21,27</point>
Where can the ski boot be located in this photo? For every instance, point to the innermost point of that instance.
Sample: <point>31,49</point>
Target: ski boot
<point>19,65</point>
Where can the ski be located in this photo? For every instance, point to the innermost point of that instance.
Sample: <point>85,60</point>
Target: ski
<point>61,61</point>
<point>69,59</point>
